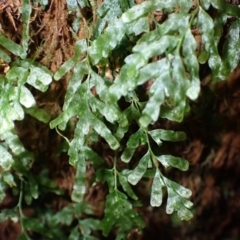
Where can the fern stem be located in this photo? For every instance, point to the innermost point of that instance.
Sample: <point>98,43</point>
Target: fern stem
<point>150,149</point>
<point>19,206</point>
<point>62,136</point>
<point>189,26</point>
<point>115,172</point>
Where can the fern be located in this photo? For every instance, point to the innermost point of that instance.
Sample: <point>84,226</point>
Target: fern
<point>15,98</point>
<point>164,54</point>
<point>175,78</point>
<point>107,12</point>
